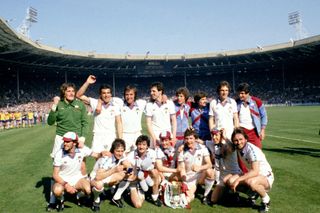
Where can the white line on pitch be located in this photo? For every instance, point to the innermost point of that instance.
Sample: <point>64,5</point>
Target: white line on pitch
<point>307,141</point>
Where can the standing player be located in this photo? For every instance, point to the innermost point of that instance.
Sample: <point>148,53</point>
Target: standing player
<point>182,112</point>
<point>195,165</point>
<point>107,119</point>
<point>2,120</point>
<point>131,115</point>
<point>259,177</point>
<point>30,117</point>
<point>18,117</point>
<point>200,116</point>
<point>69,114</point>
<point>160,114</point>
<point>67,170</point>
<point>223,110</point>
<point>252,115</point>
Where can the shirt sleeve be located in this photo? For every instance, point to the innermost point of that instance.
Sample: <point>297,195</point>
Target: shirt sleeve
<point>204,150</point>
<point>172,109</point>
<point>86,151</point>
<point>148,110</point>
<point>93,103</point>
<point>57,161</point>
<point>181,157</point>
<point>159,154</point>
<point>117,101</point>
<point>117,110</point>
<point>84,121</point>
<point>234,106</point>
<point>211,108</point>
<point>106,163</point>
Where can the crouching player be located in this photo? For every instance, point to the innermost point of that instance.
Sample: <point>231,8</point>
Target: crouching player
<point>165,158</point>
<point>111,170</point>
<point>143,161</point>
<point>67,171</point>
<point>225,161</point>
<point>195,165</point>
<point>259,178</point>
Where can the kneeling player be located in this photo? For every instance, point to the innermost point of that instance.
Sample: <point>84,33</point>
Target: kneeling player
<point>143,160</point>
<point>165,158</point>
<point>195,165</point>
<point>259,177</point>
<point>67,170</point>
<point>225,161</point>
<point>110,170</point>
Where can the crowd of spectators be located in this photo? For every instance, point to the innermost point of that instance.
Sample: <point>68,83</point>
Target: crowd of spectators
<point>271,87</point>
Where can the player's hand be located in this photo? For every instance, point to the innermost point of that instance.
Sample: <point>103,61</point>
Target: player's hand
<point>81,141</point>
<point>70,189</point>
<point>56,100</point>
<point>119,168</point>
<point>195,168</point>
<point>262,134</point>
<point>106,153</point>
<point>234,185</point>
<point>99,106</point>
<point>180,148</point>
<point>173,141</point>
<point>91,79</point>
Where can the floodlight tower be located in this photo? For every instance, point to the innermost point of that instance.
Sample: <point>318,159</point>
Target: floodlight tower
<point>295,20</point>
<point>30,18</point>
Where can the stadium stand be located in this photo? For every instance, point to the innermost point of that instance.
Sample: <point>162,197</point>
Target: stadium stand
<point>279,74</point>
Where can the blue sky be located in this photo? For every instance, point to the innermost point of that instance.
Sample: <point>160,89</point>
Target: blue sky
<point>162,26</point>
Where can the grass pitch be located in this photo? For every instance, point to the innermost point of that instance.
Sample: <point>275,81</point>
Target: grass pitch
<point>292,147</point>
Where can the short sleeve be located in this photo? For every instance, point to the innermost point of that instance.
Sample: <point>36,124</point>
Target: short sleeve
<point>211,108</point>
<point>57,161</point>
<point>93,103</point>
<point>148,109</point>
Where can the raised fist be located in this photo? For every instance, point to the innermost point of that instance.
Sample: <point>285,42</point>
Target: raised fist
<point>56,100</point>
<point>91,79</point>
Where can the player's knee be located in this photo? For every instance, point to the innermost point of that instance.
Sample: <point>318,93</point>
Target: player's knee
<point>58,190</point>
<point>137,205</point>
<point>97,184</point>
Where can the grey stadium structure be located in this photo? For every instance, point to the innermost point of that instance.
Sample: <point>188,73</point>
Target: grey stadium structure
<point>277,72</point>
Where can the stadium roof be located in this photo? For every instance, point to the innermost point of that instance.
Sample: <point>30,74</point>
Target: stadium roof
<point>17,50</point>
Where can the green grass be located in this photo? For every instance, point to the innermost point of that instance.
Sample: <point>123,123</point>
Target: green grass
<point>292,147</point>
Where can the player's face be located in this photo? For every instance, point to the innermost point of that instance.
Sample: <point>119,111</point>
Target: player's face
<point>189,140</point>
<point>243,96</point>
<point>202,102</point>
<point>69,94</point>
<point>165,143</point>
<point>181,99</point>
<point>105,95</point>
<point>223,92</point>
<point>68,145</point>
<point>142,147</point>
<point>129,96</point>
<point>118,152</point>
<point>155,93</point>
<point>216,138</point>
<point>239,141</point>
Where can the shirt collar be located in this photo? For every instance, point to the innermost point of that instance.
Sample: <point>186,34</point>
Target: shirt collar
<point>228,100</point>
<point>65,153</point>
